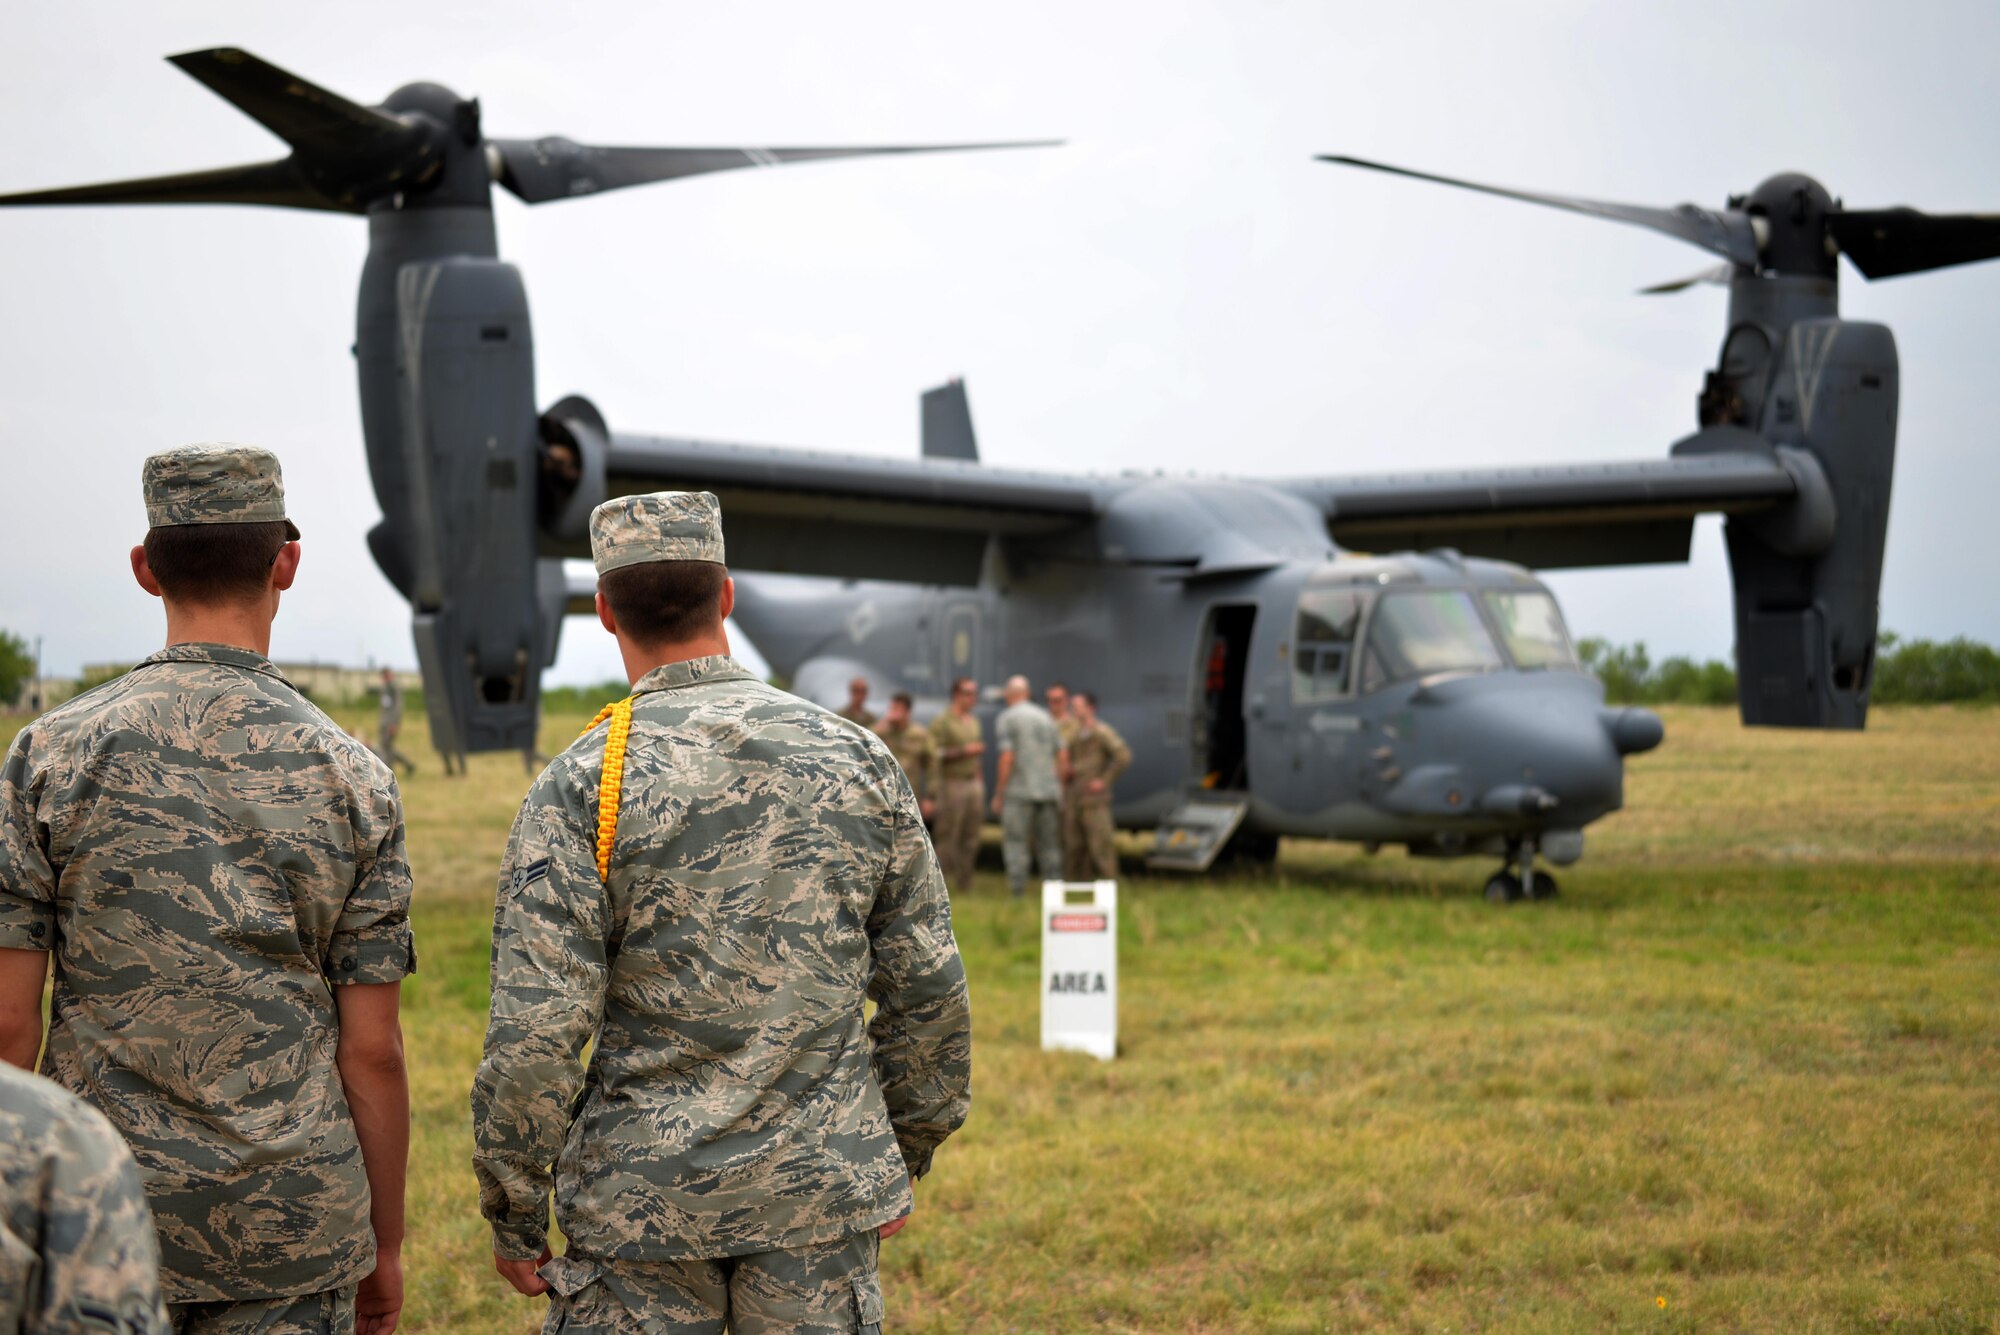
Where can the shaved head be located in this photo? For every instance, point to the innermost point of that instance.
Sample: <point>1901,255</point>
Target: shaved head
<point>1017,689</point>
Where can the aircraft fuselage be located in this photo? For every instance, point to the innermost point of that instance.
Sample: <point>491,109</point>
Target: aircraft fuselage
<point>1416,699</point>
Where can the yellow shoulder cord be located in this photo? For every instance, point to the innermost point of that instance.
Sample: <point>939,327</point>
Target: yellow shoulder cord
<point>611,786</point>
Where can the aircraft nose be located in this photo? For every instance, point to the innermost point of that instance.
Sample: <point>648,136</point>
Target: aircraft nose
<point>1553,757</point>
<point>1539,749</point>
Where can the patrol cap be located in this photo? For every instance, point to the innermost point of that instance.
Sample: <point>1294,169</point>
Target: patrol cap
<point>215,484</point>
<point>665,526</point>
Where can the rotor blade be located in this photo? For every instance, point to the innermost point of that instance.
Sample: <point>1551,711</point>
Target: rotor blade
<point>1718,275</point>
<point>539,170</point>
<point>272,183</point>
<point>318,123</point>
<point>1726,234</point>
<point>1886,242</point>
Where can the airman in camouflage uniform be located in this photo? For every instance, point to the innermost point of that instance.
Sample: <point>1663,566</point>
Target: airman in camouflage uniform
<point>1057,700</point>
<point>961,791</point>
<point>913,749</point>
<point>856,709</point>
<point>389,723</point>
<point>738,1138</point>
<point>1096,758</point>
<point>214,866</point>
<point>1029,788</point>
<point>77,1251</point>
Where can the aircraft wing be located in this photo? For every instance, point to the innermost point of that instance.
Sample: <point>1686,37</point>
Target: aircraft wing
<point>851,516</point>
<point>1567,515</point>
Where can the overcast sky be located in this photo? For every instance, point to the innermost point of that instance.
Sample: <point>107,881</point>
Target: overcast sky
<point>1180,288</point>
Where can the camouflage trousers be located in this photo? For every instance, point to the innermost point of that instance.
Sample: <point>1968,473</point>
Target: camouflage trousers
<point>816,1290</point>
<point>387,750</point>
<point>1088,851</point>
<point>961,811</point>
<point>1030,832</point>
<point>329,1313</point>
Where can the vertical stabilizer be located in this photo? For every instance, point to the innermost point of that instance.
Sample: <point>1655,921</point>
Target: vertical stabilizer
<point>948,424</point>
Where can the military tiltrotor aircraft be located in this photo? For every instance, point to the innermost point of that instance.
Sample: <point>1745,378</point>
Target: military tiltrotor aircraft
<point>1270,682</point>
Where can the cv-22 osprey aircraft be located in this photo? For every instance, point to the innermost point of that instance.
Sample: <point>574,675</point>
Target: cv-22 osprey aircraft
<point>1270,681</point>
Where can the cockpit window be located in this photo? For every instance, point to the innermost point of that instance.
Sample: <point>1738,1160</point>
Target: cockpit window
<point>1532,627</point>
<point>1416,634</point>
<point>1323,643</point>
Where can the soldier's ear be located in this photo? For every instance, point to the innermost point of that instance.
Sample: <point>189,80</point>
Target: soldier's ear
<point>604,617</point>
<point>286,568</point>
<point>728,602</point>
<point>143,572</point>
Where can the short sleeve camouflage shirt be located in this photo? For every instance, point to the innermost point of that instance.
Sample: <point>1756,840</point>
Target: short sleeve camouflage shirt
<point>1031,735</point>
<point>770,876</point>
<point>204,853</point>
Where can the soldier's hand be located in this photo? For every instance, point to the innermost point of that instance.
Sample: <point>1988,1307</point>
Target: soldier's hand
<point>997,800</point>
<point>892,1228</point>
<point>1096,785</point>
<point>521,1274</point>
<point>928,809</point>
<point>378,1302</point>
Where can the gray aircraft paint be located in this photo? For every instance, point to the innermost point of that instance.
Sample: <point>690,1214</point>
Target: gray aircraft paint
<point>1115,583</point>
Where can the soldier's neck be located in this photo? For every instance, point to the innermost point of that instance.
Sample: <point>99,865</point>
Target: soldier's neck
<point>643,658</point>
<point>244,625</point>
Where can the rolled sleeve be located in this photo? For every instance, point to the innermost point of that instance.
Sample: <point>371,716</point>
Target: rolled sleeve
<point>372,941</point>
<point>27,874</point>
<point>922,1029</point>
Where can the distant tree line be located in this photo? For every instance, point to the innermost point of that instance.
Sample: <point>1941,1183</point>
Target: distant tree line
<point>585,700</point>
<point>1907,672</point>
<point>17,667</point>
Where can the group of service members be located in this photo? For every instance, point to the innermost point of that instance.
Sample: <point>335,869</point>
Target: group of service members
<point>697,899</point>
<point>1053,782</point>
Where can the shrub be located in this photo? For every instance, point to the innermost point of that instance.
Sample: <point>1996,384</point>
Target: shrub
<point>17,666</point>
<point>1914,672</point>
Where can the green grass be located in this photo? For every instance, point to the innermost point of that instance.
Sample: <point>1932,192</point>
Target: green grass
<point>1749,1062</point>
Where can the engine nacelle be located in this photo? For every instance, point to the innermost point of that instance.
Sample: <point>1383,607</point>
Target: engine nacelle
<point>1808,576</point>
<point>470,444</point>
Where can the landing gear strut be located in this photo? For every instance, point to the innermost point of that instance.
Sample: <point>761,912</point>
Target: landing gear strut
<point>1509,884</point>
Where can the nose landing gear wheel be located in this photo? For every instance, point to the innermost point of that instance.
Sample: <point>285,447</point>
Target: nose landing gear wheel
<point>1545,886</point>
<point>1503,887</point>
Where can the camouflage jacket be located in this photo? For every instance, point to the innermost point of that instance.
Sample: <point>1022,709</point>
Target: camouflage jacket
<point>204,852</point>
<point>770,876</point>
<point>77,1251</point>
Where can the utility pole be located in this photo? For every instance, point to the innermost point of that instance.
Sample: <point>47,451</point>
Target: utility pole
<point>35,691</point>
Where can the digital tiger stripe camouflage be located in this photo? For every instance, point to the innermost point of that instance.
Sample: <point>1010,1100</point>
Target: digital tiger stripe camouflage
<point>77,1251</point>
<point>771,874</point>
<point>827,1289</point>
<point>204,853</point>
<point>214,484</point>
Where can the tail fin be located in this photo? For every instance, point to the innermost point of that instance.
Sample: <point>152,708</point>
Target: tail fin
<point>947,420</point>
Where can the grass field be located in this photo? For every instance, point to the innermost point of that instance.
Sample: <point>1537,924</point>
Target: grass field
<point>1747,1066</point>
